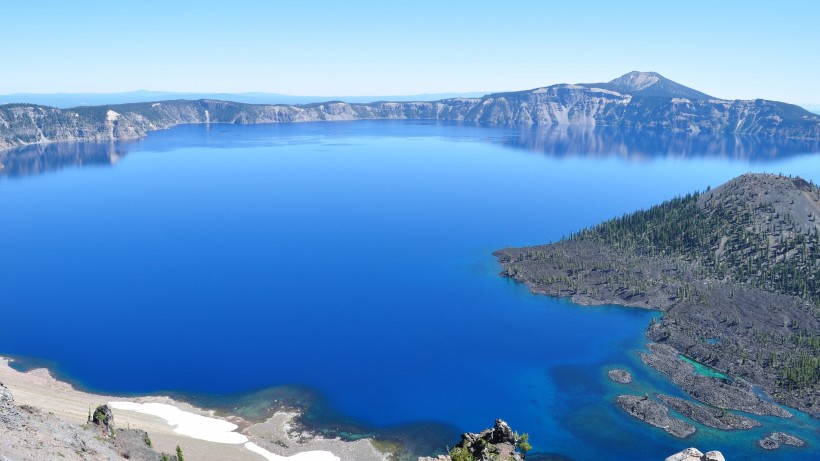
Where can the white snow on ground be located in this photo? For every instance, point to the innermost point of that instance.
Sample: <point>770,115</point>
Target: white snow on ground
<point>601,90</point>
<point>304,456</point>
<point>186,423</point>
<point>213,430</point>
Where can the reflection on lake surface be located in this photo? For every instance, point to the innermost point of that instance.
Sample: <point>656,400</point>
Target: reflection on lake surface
<point>649,144</point>
<point>593,142</point>
<point>44,158</point>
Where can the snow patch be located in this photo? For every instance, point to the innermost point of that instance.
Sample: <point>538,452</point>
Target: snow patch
<point>213,430</point>
<point>156,104</point>
<point>186,423</point>
<point>681,101</point>
<point>601,90</point>
<point>304,456</point>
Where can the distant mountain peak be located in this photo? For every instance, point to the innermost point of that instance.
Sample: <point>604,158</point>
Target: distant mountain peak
<point>637,80</point>
<point>652,84</point>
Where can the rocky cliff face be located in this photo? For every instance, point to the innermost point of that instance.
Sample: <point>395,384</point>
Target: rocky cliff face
<point>638,100</point>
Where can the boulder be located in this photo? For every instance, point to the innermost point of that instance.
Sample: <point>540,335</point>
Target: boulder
<point>103,418</point>
<point>693,454</point>
<point>502,433</point>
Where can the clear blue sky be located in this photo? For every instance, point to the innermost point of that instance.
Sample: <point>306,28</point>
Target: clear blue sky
<point>731,49</point>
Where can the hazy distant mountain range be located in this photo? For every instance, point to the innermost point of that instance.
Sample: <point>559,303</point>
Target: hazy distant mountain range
<point>639,100</point>
<point>68,100</point>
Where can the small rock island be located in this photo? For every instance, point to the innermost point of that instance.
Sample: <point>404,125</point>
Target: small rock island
<point>620,376</point>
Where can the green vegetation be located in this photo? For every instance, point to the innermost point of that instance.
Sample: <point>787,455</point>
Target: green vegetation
<point>802,369</point>
<point>523,442</point>
<point>179,454</point>
<point>735,239</point>
<point>732,242</point>
<point>461,454</point>
<point>99,415</point>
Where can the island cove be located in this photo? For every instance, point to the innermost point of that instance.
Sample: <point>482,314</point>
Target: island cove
<point>734,269</point>
<point>386,326</point>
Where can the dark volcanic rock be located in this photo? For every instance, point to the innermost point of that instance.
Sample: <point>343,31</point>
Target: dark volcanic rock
<point>620,376</point>
<point>717,392</point>
<point>654,413</point>
<point>775,439</point>
<point>103,418</point>
<point>489,444</point>
<point>708,416</point>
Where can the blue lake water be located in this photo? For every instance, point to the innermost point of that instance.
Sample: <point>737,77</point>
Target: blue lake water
<point>348,266</point>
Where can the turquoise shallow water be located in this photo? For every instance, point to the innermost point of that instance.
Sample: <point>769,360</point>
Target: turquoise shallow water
<point>347,267</point>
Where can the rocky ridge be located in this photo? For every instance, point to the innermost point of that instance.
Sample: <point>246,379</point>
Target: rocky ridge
<point>499,443</point>
<point>636,100</point>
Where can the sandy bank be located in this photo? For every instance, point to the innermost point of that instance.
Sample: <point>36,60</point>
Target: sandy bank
<point>199,433</point>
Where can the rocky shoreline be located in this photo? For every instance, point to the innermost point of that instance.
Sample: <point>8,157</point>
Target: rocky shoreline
<point>620,376</point>
<point>654,413</point>
<point>774,440</point>
<point>717,392</point>
<point>65,412</point>
<point>708,416</point>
